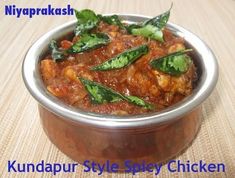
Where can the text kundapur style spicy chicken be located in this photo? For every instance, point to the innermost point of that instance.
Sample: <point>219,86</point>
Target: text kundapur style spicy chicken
<point>120,69</point>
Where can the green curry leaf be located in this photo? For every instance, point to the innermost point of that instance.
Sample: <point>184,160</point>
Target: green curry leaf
<point>86,20</point>
<point>89,41</point>
<point>124,59</point>
<point>56,53</point>
<point>139,102</point>
<point>130,27</point>
<point>149,31</point>
<point>175,63</point>
<point>101,94</point>
<point>160,20</point>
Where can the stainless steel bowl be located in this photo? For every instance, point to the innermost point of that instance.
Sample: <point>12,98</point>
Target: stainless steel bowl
<point>150,137</point>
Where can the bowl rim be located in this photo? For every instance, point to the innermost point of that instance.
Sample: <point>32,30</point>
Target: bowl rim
<point>207,83</point>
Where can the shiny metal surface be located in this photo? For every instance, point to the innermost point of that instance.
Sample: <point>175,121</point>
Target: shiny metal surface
<point>204,59</point>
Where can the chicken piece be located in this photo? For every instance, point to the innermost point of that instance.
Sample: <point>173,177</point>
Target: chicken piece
<point>183,83</point>
<point>58,90</point>
<point>49,69</point>
<point>164,80</point>
<point>70,73</point>
<point>176,84</point>
<point>73,73</point>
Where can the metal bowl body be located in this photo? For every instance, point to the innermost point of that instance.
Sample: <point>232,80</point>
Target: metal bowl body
<point>153,137</point>
<point>152,144</point>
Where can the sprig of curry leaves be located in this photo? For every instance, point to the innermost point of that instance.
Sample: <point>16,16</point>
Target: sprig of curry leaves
<point>88,19</point>
<point>123,59</point>
<point>175,63</point>
<point>151,28</point>
<point>101,94</point>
